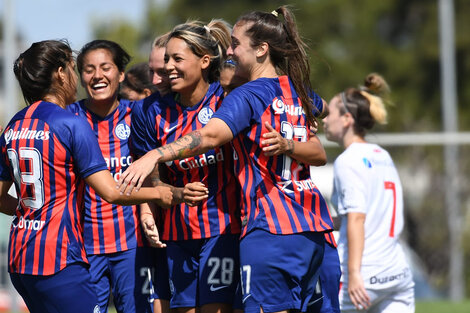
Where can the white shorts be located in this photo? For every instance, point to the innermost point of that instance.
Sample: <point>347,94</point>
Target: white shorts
<point>386,296</point>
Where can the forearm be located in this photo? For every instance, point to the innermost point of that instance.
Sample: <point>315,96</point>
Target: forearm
<point>105,186</point>
<point>187,146</point>
<point>8,204</point>
<point>309,153</point>
<point>355,233</point>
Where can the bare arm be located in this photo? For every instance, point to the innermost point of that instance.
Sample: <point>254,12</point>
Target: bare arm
<point>214,134</point>
<point>8,203</point>
<point>191,193</point>
<point>310,152</point>
<point>147,219</point>
<point>105,186</point>
<point>355,234</point>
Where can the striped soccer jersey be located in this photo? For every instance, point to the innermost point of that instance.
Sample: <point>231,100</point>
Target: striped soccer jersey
<point>278,193</point>
<point>47,152</point>
<point>109,227</point>
<point>162,120</point>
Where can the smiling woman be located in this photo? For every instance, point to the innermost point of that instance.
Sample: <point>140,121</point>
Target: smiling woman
<point>112,234</point>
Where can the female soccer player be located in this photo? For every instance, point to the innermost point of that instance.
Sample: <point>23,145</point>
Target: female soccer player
<point>49,154</point>
<point>116,248</point>
<point>284,215</point>
<point>201,237</point>
<point>368,196</point>
<point>137,84</point>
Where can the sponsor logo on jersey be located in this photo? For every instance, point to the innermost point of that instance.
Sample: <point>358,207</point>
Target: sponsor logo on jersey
<point>280,107</point>
<point>26,133</point>
<point>299,185</point>
<point>122,131</point>
<point>118,163</point>
<point>205,115</point>
<point>389,278</point>
<point>203,160</point>
<point>367,162</point>
<point>29,224</point>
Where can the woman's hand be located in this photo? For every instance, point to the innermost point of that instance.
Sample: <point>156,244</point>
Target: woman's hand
<point>274,143</point>
<point>135,174</point>
<point>195,192</point>
<point>151,230</point>
<point>357,291</point>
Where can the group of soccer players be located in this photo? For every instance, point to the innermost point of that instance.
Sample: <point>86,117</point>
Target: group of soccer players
<point>238,222</point>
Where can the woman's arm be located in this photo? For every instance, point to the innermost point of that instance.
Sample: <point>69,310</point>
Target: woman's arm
<point>8,203</point>
<point>310,152</point>
<point>355,234</point>
<point>105,186</point>
<point>214,134</point>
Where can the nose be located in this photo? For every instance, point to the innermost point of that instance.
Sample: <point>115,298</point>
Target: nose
<point>229,51</point>
<point>156,79</point>
<point>97,74</point>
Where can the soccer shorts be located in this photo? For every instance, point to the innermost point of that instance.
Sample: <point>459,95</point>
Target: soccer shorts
<point>126,274</point>
<point>67,291</point>
<point>325,299</point>
<point>160,278</point>
<point>279,272</point>
<point>203,271</point>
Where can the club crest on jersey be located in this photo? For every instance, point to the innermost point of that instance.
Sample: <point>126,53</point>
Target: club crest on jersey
<point>205,115</point>
<point>122,131</point>
<point>280,107</point>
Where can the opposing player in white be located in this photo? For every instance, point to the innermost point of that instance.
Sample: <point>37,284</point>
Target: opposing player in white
<point>368,196</point>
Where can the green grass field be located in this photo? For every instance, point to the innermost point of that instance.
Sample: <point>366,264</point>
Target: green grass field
<point>443,307</point>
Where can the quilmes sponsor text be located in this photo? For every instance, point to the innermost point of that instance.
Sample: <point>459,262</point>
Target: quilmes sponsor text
<point>26,133</point>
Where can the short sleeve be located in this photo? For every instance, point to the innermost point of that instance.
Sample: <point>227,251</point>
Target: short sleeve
<point>350,187</point>
<point>317,103</point>
<point>143,133</point>
<point>85,149</point>
<point>5,173</point>
<point>236,110</point>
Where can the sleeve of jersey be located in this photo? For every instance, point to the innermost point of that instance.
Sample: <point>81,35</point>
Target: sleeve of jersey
<point>352,190</point>
<point>143,133</point>
<point>5,174</point>
<point>317,103</point>
<point>86,151</point>
<point>236,110</point>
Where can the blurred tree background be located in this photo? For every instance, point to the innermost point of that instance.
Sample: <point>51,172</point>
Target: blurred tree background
<point>348,40</point>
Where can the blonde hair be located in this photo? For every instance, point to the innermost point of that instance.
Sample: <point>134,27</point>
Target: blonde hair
<point>212,39</point>
<point>366,104</point>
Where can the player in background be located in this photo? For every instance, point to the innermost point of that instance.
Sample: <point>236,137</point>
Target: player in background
<point>137,84</point>
<point>368,196</point>
<point>49,154</point>
<point>281,205</point>
<point>114,241</point>
<point>143,81</point>
<point>202,235</point>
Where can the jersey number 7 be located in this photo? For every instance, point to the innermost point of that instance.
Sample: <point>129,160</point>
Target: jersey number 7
<point>391,186</point>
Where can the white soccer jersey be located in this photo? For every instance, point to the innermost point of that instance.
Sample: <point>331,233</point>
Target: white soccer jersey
<point>366,181</point>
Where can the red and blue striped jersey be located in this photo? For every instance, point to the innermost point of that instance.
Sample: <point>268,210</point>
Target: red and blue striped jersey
<point>110,227</point>
<point>47,152</point>
<point>278,194</point>
<point>162,120</point>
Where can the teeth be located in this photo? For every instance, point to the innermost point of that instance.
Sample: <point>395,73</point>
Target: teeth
<point>100,85</point>
<point>173,76</point>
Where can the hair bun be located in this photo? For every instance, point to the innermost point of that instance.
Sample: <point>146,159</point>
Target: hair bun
<point>376,85</point>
